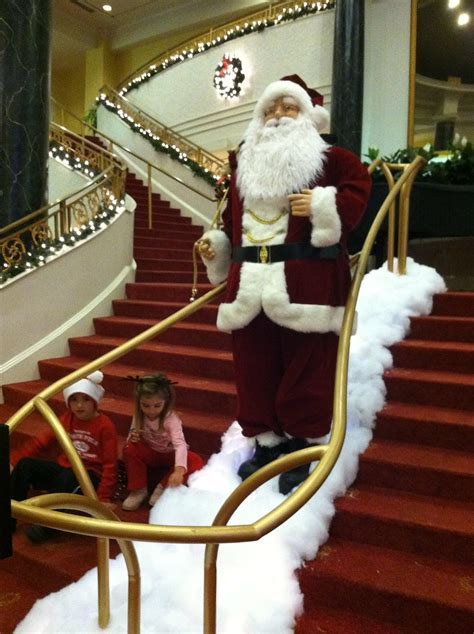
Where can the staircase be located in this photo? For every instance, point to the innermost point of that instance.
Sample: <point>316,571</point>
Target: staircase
<point>398,559</point>
<point>400,553</point>
<point>193,353</point>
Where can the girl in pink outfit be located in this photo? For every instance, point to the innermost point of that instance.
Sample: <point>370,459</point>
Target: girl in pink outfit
<point>156,439</point>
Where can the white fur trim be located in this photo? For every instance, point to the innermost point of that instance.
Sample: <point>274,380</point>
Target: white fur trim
<point>218,268</point>
<point>263,286</point>
<point>247,303</point>
<point>269,439</point>
<point>324,217</point>
<point>285,88</point>
<point>320,118</point>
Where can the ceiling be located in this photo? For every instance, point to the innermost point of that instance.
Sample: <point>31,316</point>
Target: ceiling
<point>81,24</point>
<point>443,48</point>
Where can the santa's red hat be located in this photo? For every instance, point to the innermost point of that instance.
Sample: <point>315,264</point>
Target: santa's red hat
<point>309,100</point>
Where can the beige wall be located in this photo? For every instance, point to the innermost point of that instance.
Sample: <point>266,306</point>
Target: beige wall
<point>68,89</point>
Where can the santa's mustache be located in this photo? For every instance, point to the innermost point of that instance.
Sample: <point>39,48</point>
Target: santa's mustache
<point>274,122</point>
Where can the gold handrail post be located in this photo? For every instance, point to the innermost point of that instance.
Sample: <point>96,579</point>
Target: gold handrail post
<point>404,218</point>
<point>391,219</point>
<point>150,200</point>
<point>103,550</point>
<point>210,589</point>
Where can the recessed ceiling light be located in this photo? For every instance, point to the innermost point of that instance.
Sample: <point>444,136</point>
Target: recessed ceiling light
<point>463,19</point>
<point>452,4</point>
<point>107,7</point>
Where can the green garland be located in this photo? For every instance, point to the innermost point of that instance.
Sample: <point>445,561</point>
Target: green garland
<point>286,15</point>
<point>171,150</point>
<point>39,255</point>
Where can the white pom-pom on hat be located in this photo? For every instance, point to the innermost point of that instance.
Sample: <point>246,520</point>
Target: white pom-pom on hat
<point>90,385</point>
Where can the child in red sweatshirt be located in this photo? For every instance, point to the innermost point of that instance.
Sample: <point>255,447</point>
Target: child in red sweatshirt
<point>95,439</point>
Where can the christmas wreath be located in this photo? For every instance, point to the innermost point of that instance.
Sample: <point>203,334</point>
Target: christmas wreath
<point>228,77</point>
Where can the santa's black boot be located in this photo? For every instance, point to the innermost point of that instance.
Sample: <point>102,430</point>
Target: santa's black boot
<point>290,479</point>
<point>263,455</point>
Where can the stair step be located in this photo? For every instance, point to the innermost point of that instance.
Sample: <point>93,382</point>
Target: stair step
<point>159,211</point>
<point>159,264</point>
<point>161,310</point>
<point>205,335</point>
<point>419,592</point>
<point>167,277</point>
<point>192,232</point>
<point>405,521</point>
<point>432,426</point>
<point>164,292</point>
<point>434,355</point>
<point>442,389</point>
<point>165,253</point>
<point>167,242</point>
<point>180,223</point>
<point>200,362</point>
<point>419,469</point>
<point>442,328</point>
<point>322,620</point>
<point>208,395</point>
<point>455,304</point>
<point>161,220</point>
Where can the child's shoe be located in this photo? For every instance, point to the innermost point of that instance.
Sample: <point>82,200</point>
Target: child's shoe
<point>155,496</point>
<point>134,499</point>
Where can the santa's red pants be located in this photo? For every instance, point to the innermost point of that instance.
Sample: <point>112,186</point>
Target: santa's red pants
<point>285,379</point>
<point>138,456</point>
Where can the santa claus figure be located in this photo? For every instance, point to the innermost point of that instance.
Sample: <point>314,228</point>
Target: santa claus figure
<point>293,200</point>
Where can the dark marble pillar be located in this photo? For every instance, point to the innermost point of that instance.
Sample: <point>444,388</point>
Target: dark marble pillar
<point>5,510</point>
<point>348,74</point>
<point>24,106</point>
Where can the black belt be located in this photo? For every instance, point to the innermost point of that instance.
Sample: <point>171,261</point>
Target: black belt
<point>265,254</point>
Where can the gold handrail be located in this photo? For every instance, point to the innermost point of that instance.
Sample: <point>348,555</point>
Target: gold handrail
<point>54,220</point>
<point>216,34</point>
<point>113,143</point>
<point>202,156</point>
<point>219,532</point>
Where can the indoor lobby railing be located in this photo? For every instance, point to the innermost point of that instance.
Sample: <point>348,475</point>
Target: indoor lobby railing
<point>51,223</point>
<point>37,509</point>
<point>61,113</point>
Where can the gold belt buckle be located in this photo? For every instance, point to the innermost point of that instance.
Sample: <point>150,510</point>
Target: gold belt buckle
<point>263,254</point>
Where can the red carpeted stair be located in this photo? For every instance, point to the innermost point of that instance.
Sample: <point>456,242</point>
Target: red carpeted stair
<point>401,545</point>
<point>193,353</point>
<point>399,558</point>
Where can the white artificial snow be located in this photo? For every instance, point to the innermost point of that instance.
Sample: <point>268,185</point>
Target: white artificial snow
<point>258,591</point>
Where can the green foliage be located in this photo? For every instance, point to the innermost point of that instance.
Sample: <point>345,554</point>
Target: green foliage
<point>91,117</point>
<point>454,167</point>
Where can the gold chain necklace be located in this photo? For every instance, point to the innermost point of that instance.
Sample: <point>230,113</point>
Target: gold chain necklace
<point>264,221</point>
<point>253,240</point>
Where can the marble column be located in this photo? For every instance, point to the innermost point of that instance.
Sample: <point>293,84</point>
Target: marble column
<point>24,106</point>
<point>348,74</point>
<point>5,505</point>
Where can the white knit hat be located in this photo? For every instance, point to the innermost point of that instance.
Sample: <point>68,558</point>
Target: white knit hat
<point>309,100</point>
<point>90,386</point>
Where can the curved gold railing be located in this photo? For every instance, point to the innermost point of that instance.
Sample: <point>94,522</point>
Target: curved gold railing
<point>208,161</point>
<point>219,532</point>
<point>54,220</point>
<point>60,112</point>
<point>220,34</point>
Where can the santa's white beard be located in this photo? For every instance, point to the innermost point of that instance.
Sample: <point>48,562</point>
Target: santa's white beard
<point>279,158</point>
